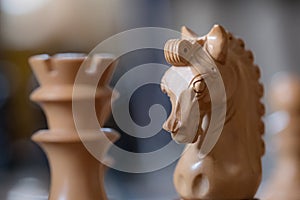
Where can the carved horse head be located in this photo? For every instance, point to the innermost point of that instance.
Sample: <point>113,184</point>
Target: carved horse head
<point>232,167</point>
<point>186,85</point>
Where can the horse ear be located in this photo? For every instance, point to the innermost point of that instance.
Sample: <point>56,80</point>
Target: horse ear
<point>217,43</point>
<point>187,33</point>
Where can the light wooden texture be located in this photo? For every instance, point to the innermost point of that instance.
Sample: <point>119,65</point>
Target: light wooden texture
<point>285,179</point>
<point>232,170</point>
<point>75,173</point>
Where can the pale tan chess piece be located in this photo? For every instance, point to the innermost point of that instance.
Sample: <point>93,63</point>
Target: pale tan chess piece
<point>232,168</point>
<point>75,173</point>
<point>285,179</point>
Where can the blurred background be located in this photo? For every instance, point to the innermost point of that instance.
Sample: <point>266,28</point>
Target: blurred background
<point>269,28</point>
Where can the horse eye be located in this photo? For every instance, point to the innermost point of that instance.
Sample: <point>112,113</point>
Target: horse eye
<point>199,86</point>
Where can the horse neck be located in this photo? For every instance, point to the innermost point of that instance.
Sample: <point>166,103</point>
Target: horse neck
<point>240,133</point>
<point>238,117</point>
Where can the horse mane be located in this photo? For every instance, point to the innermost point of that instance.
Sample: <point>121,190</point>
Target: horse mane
<point>245,58</point>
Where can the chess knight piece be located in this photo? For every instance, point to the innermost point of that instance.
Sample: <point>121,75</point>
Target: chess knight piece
<point>75,173</point>
<point>232,168</point>
<point>285,179</point>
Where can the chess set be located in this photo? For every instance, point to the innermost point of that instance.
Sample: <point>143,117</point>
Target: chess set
<point>215,93</point>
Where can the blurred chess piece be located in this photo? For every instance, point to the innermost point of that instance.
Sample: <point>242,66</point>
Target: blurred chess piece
<point>285,179</point>
<point>75,173</point>
<point>221,162</point>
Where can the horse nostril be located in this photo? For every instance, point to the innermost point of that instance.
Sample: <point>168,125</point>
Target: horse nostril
<point>166,127</point>
<point>175,126</point>
<point>171,125</point>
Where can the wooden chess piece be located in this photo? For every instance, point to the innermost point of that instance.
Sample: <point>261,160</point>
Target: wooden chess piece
<point>232,168</point>
<point>75,173</point>
<point>285,179</point>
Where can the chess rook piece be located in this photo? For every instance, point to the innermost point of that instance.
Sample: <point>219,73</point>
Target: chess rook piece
<point>285,179</point>
<point>75,173</point>
<point>232,168</point>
